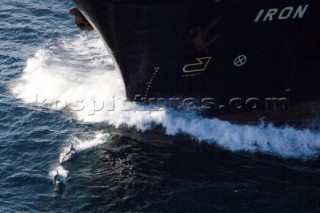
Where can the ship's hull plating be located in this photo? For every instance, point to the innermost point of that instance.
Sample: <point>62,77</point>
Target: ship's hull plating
<point>237,60</point>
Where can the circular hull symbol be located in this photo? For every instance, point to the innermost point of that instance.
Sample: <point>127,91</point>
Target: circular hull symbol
<point>240,60</point>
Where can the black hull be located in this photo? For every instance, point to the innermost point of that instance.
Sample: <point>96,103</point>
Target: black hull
<point>185,53</point>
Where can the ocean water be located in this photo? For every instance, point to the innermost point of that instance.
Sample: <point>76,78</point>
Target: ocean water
<point>63,118</point>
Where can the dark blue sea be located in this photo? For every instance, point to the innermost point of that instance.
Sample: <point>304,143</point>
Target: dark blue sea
<point>69,143</point>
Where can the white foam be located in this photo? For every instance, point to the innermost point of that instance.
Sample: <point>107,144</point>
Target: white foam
<point>284,141</point>
<point>77,145</point>
<point>79,71</point>
<point>59,170</point>
<point>62,77</point>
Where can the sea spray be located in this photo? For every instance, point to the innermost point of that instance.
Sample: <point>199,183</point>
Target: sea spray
<point>79,77</point>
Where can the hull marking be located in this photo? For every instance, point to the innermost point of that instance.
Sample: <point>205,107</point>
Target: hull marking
<point>282,14</point>
<point>197,67</point>
<point>156,70</point>
<point>240,60</point>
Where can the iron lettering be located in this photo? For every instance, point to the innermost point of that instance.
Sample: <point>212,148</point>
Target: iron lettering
<point>281,14</point>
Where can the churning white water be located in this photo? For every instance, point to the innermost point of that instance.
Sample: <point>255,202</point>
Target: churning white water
<point>76,75</point>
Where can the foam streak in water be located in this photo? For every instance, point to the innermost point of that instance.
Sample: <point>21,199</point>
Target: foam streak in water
<point>76,146</point>
<point>284,141</point>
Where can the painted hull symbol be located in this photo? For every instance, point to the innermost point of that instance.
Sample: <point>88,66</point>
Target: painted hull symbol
<point>240,60</point>
<point>197,67</point>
